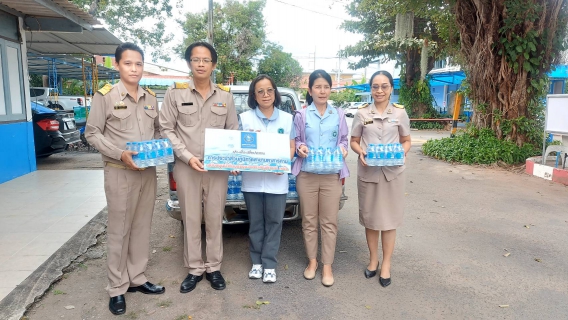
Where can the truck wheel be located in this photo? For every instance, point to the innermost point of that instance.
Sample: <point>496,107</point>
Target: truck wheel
<point>56,106</point>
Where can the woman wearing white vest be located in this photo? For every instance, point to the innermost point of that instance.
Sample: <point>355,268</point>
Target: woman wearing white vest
<point>265,193</point>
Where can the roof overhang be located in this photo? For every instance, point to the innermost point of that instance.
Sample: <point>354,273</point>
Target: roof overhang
<point>60,27</point>
<point>67,66</point>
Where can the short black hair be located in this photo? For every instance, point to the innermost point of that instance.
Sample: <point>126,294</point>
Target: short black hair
<point>313,77</point>
<point>384,73</point>
<point>187,55</point>
<point>251,98</point>
<point>127,46</point>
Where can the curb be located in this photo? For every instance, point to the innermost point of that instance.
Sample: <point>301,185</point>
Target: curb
<point>535,168</point>
<point>15,304</point>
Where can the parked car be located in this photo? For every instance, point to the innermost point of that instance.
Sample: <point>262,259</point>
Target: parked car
<point>352,109</point>
<point>46,97</point>
<point>235,210</point>
<point>53,130</point>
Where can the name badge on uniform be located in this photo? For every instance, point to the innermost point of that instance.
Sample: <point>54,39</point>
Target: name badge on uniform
<point>149,108</point>
<point>187,103</point>
<point>119,105</point>
<point>220,104</point>
<point>393,120</point>
<point>367,121</point>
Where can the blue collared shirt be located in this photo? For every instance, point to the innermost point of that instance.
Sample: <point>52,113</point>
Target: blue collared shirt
<point>321,131</point>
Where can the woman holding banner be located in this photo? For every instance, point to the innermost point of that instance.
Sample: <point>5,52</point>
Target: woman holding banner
<point>320,127</point>
<point>265,193</point>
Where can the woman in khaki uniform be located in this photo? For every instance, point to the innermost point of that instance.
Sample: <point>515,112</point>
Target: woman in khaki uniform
<point>381,189</point>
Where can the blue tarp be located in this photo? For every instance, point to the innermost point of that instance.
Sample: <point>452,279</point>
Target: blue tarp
<point>456,78</point>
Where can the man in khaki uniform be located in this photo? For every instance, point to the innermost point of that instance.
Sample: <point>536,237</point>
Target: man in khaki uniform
<point>188,109</point>
<point>119,114</point>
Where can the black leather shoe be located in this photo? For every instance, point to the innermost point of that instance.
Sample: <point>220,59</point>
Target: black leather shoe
<point>216,279</point>
<point>117,305</point>
<point>384,282</point>
<point>370,274</point>
<point>148,288</point>
<point>189,283</point>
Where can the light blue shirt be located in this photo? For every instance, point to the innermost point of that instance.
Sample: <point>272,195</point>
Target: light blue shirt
<point>321,131</point>
<point>266,120</point>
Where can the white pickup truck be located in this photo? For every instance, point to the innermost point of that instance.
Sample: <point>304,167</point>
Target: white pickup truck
<point>47,97</point>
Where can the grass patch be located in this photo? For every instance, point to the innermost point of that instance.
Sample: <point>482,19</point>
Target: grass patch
<point>164,303</point>
<point>167,249</point>
<point>475,146</point>
<point>182,317</point>
<point>58,292</point>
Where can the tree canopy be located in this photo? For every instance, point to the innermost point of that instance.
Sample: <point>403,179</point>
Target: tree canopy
<point>141,22</point>
<point>238,36</point>
<point>280,66</point>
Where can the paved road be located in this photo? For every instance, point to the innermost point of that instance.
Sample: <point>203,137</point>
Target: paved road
<point>448,263</point>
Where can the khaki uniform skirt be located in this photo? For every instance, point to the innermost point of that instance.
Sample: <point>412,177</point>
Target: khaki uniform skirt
<point>381,205</point>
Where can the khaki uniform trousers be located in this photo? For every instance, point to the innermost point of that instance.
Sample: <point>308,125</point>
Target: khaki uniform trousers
<point>319,203</point>
<point>193,187</point>
<point>130,201</point>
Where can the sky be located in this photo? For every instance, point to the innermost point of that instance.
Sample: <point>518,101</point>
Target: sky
<point>303,28</point>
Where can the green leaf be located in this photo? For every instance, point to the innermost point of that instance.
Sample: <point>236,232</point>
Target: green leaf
<point>519,48</point>
<point>532,46</point>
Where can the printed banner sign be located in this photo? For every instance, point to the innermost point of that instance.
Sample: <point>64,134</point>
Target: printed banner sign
<point>246,151</point>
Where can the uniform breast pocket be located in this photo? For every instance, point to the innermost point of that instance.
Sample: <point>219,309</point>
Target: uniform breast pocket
<point>121,120</point>
<point>188,115</point>
<point>330,132</point>
<point>218,117</point>
<point>151,115</point>
<point>391,126</point>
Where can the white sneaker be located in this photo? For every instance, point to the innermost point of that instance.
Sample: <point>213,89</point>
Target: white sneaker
<point>256,271</point>
<point>269,276</point>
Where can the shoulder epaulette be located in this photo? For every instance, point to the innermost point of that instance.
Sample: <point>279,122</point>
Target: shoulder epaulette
<point>150,91</point>
<point>105,89</point>
<point>181,85</point>
<point>222,87</point>
<point>363,106</point>
<point>396,105</point>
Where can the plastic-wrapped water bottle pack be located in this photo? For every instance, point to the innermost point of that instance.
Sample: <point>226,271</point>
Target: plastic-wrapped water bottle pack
<point>328,160</point>
<point>384,155</point>
<point>151,153</point>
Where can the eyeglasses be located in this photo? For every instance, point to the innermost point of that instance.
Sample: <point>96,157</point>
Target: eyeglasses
<point>384,87</point>
<point>198,60</point>
<point>268,91</point>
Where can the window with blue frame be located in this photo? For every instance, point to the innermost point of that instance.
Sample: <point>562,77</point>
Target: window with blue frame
<point>11,72</point>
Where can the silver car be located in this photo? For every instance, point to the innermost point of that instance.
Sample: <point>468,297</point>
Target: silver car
<point>236,210</point>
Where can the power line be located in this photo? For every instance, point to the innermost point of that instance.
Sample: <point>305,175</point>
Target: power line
<point>310,10</point>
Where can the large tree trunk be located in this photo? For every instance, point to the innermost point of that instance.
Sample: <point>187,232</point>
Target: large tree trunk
<point>412,76</point>
<point>498,93</point>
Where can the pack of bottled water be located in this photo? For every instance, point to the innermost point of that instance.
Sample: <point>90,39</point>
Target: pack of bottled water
<point>151,153</point>
<point>234,192</point>
<point>292,193</point>
<point>328,160</point>
<point>384,155</point>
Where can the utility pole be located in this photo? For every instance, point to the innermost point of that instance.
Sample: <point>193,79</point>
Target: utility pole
<point>210,32</point>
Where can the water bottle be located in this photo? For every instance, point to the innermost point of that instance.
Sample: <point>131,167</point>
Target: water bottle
<point>292,193</point>
<point>131,146</point>
<point>337,159</point>
<point>319,164</point>
<point>389,160</point>
<point>328,160</point>
<point>399,155</point>
<point>231,190</point>
<point>311,159</point>
<point>142,154</point>
<point>160,152</point>
<point>151,153</point>
<point>238,186</point>
<point>371,155</point>
<point>169,150</point>
<point>381,154</point>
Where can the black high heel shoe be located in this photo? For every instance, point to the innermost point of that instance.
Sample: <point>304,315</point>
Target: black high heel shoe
<point>385,282</point>
<point>369,273</point>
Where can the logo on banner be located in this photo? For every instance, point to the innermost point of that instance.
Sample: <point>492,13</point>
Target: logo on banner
<point>248,140</point>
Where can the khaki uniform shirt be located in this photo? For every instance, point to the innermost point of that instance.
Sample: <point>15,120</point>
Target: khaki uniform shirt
<point>115,119</point>
<point>377,128</point>
<point>185,115</point>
